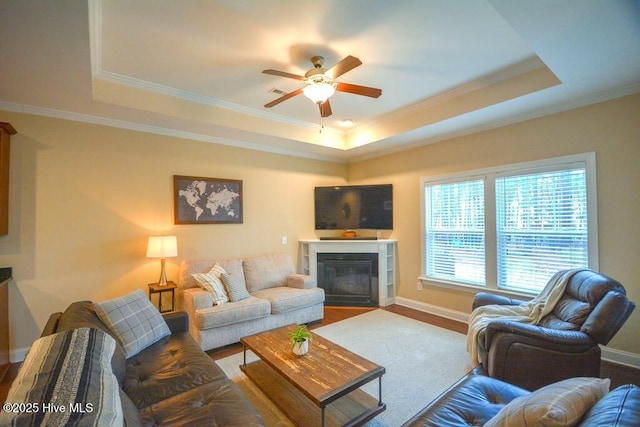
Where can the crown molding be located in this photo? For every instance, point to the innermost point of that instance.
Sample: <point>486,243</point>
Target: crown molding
<point>138,127</point>
<point>145,85</point>
<point>85,118</point>
<point>602,96</point>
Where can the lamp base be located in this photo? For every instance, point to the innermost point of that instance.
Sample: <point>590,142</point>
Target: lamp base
<point>163,275</point>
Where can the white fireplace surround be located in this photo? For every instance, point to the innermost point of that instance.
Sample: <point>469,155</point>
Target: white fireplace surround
<point>385,248</point>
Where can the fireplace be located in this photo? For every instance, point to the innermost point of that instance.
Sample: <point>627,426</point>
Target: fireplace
<point>349,279</point>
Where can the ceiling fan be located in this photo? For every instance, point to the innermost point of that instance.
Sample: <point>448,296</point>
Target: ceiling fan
<point>321,84</point>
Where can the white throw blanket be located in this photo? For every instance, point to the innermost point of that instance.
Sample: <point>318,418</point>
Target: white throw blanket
<point>529,312</point>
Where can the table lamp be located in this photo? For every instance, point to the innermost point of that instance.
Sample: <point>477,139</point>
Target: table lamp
<point>162,247</point>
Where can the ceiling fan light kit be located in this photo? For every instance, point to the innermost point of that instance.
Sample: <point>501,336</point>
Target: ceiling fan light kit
<point>320,83</point>
<point>319,88</point>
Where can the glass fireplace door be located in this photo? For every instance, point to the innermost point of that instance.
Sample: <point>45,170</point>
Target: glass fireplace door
<point>349,279</point>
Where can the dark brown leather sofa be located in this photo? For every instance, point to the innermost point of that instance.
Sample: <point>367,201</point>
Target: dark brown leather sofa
<point>172,382</point>
<point>475,399</point>
<point>565,343</point>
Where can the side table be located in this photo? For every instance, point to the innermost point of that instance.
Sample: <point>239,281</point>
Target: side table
<point>155,288</point>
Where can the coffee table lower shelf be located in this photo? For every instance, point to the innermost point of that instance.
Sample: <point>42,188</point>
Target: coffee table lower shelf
<point>355,408</point>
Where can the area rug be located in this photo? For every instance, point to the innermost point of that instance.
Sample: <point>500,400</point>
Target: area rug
<point>421,361</point>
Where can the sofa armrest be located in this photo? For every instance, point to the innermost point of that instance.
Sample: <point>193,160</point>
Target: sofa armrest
<point>52,325</point>
<point>178,321</point>
<point>194,299</point>
<point>485,298</point>
<point>301,281</point>
<point>542,337</point>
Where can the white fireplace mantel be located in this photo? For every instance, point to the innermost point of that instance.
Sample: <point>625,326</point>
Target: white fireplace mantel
<point>385,248</point>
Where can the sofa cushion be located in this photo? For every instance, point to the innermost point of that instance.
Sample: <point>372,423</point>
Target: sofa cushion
<point>227,314</point>
<point>267,270</point>
<point>471,401</point>
<point>285,299</point>
<point>81,314</point>
<point>562,403</point>
<point>219,403</point>
<point>169,367</point>
<point>134,321</point>
<point>568,314</point>
<point>621,407</point>
<point>70,372</point>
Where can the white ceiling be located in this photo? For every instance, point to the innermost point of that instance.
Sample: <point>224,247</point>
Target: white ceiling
<point>192,68</point>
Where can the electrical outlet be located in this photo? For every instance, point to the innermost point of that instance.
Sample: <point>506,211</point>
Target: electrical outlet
<point>284,240</point>
<point>419,285</point>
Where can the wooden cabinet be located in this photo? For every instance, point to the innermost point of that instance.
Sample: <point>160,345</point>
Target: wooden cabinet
<point>4,327</point>
<point>6,130</point>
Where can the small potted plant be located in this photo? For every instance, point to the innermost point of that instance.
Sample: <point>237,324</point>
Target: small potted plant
<point>300,339</point>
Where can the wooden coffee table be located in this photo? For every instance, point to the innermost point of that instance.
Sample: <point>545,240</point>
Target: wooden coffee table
<point>319,388</point>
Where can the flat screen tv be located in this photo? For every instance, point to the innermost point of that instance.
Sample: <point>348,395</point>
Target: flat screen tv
<point>352,207</point>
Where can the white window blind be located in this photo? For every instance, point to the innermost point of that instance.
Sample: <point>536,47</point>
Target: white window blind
<point>541,226</point>
<point>510,228</point>
<point>455,242</point>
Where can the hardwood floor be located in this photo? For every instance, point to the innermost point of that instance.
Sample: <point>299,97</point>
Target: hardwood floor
<point>619,374</point>
<point>5,382</point>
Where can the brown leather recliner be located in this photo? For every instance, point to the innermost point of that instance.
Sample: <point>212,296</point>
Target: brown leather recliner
<point>565,343</point>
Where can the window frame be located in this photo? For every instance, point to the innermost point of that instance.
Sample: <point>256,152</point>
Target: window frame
<point>489,175</point>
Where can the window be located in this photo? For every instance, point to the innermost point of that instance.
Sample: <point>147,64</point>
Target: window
<point>511,228</point>
<point>455,231</point>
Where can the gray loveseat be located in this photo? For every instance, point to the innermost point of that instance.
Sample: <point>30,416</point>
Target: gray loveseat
<point>277,296</point>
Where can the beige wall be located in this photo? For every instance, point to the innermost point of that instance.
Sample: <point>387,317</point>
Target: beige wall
<point>610,129</point>
<point>84,199</point>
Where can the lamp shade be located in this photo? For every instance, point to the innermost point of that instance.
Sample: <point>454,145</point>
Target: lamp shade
<point>162,247</point>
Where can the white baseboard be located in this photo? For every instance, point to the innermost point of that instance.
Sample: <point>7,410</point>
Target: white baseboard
<point>433,309</point>
<point>17,356</point>
<point>608,354</point>
<point>621,357</point>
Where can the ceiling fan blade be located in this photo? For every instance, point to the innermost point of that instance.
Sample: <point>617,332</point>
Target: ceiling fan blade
<point>283,98</point>
<point>325,109</point>
<point>347,64</point>
<point>283,74</point>
<point>359,90</point>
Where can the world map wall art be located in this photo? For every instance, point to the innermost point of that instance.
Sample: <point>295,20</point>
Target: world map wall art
<point>200,200</point>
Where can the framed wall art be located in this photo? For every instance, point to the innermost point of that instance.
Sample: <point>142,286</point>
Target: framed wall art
<point>199,200</point>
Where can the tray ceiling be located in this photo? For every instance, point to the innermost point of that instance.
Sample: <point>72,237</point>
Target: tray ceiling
<point>193,69</point>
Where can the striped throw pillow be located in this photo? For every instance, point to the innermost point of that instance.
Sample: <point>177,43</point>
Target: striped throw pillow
<point>236,289</point>
<point>68,376</point>
<point>212,282</point>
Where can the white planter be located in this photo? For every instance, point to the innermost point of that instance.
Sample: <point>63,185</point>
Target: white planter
<point>301,348</point>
